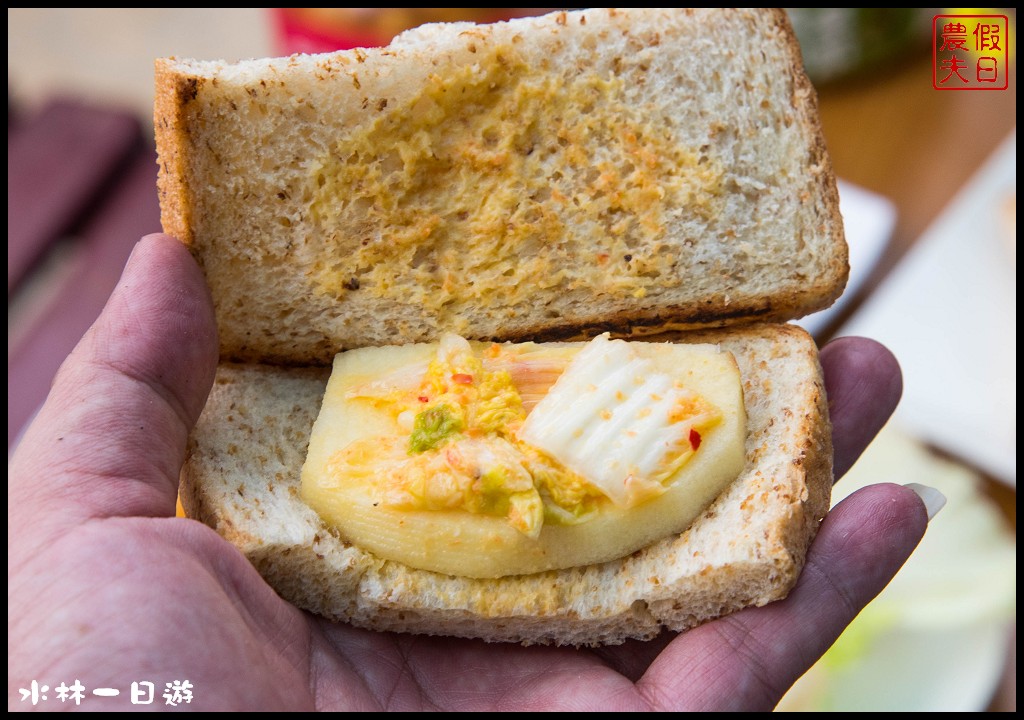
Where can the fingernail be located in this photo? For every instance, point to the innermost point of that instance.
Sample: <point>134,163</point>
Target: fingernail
<point>933,499</point>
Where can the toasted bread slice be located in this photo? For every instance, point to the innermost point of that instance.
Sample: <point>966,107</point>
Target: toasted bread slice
<point>243,472</point>
<point>547,177</point>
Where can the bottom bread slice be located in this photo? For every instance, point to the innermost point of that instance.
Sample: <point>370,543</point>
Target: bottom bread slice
<point>241,477</point>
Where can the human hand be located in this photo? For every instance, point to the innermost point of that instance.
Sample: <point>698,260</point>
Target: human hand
<point>106,587</point>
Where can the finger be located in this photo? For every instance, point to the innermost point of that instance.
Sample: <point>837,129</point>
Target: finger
<point>632,658</point>
<point>110,438</point>
<point>863,383</point>
<point>749,659</point>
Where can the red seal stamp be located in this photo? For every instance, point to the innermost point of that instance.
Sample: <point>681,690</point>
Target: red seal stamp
<point>970,52</point>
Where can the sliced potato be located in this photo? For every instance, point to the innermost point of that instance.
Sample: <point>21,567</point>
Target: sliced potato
<point>456,542</point>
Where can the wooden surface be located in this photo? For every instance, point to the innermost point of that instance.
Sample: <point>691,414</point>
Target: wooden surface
<point>58,167</point>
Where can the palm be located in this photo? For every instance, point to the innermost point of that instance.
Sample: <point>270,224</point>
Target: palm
<point>103,589</point>
<point>403,672</point>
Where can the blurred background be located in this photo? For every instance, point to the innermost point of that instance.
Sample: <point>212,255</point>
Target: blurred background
<point>928,192</point>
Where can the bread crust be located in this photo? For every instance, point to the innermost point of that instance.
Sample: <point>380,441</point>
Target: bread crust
<point>805,99</point>
<point>173,93</point>
<point>243,472</point>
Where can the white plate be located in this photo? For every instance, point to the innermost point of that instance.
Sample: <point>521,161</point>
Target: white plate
<point>948,312</point>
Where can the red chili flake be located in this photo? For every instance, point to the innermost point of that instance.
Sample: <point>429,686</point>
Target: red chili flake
<point>463,378</point>
<point>423,398</point>
<point>694,439</point>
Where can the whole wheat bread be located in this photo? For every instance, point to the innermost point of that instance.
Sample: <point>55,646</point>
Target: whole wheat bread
<point>242,478</point>
<point>550,177</point>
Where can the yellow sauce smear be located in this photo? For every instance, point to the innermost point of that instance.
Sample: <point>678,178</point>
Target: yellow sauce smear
<point>498,178</point>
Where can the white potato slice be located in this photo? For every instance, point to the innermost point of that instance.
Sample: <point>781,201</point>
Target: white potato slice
<point>477,545</point>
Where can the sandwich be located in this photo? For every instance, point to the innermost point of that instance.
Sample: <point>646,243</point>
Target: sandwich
<point>483,197</point>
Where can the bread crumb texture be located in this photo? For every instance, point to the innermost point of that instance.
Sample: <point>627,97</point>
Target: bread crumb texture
<point>619,169</point>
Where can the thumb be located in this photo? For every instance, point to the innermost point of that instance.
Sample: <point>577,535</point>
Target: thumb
<point>110,438</point>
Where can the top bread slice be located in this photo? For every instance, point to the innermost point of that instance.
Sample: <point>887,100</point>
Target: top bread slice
<point>243,473</point>
<point>630,170</point>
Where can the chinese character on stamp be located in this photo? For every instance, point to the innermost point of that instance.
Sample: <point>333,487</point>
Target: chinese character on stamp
<point>970,52</point>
